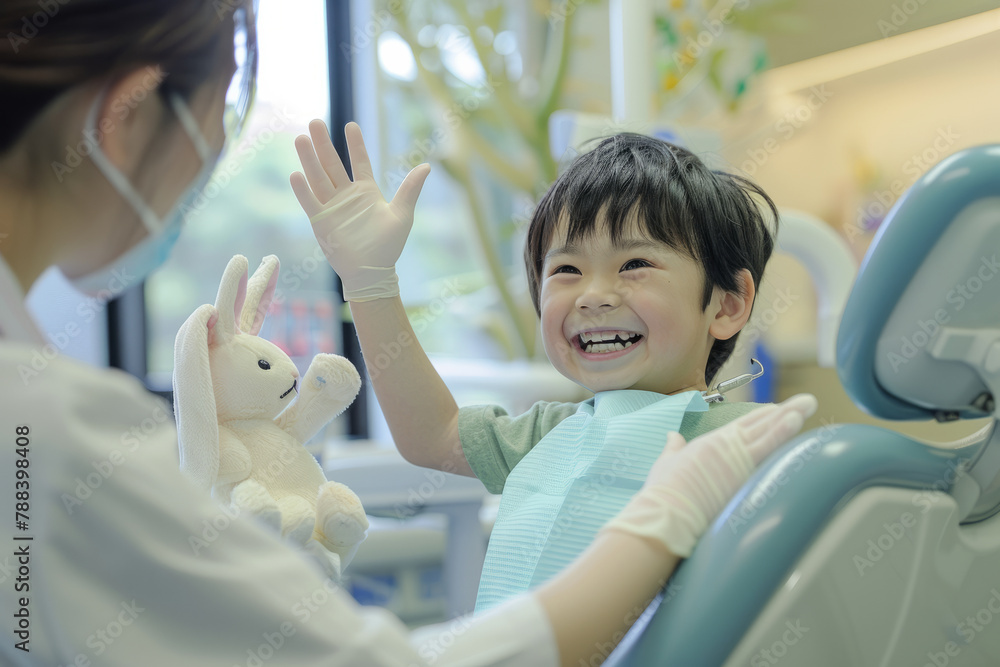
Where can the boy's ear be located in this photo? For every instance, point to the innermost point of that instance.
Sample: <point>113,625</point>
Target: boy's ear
<point>732,310</point>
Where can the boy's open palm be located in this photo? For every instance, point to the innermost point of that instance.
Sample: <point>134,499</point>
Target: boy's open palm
<point>360,233</point>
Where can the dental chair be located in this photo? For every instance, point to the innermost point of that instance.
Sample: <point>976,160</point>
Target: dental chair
<point>854,544</point>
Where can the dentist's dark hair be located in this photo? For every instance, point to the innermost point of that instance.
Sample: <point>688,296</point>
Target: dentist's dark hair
<point>705,214</point>
<point>50,46</point>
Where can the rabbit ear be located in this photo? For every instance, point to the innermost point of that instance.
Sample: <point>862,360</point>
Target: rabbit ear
<point>194,399</point>
<point>229,301</point>
<point>260,291</point>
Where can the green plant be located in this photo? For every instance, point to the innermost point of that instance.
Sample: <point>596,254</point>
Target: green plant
<point>496,119</point>
<point>498,122</point>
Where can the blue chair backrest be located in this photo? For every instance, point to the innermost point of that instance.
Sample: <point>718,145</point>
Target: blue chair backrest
<point>740,562</point>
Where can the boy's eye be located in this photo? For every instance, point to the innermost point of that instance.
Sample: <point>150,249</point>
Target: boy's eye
<point>635,264</point>
<point>565,268</point>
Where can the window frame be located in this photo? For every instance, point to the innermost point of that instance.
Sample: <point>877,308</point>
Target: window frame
<point>128,333</point>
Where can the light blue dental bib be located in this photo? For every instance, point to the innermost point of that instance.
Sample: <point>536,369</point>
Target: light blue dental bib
<point>572,482</point>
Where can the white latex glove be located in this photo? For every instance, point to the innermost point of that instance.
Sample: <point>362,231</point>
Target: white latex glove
<point>691,483</point>
<point>360,233</point>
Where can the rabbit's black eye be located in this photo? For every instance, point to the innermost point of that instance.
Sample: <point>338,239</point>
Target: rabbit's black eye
<point>263,364</point>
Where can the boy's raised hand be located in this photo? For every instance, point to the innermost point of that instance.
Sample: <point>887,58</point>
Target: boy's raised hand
<point>360,233</point>
<point>691,482</point>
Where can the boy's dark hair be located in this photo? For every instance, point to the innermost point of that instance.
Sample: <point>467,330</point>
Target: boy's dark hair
<point>705,214</point>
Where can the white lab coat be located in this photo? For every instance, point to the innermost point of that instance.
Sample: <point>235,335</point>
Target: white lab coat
<point>129,564</point>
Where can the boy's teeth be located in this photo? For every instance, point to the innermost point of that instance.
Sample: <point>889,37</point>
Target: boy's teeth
<point>605,336</point>
<point>597,348</point>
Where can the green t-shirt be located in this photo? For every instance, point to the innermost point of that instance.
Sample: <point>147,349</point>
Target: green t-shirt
<point>494,442</point>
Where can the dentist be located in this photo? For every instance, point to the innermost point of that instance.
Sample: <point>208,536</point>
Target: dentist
<point>114,113</point>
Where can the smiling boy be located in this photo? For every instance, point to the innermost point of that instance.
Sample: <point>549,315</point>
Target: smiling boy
<point>640,235</point>
<point>623,315</point>
<point>642,264</point>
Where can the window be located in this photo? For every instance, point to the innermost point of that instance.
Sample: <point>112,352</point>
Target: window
<point>248,207</point>
<point>467,87</point>
<point>405,125</point>
<point>75,324</point>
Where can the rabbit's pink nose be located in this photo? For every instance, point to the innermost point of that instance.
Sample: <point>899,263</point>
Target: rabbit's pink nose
<point>295,374</point>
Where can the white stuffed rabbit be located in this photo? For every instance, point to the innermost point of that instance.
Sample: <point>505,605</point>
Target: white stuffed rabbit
<point>243,414</point>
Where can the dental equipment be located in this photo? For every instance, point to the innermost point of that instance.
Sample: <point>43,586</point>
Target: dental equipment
<point>715,395</point>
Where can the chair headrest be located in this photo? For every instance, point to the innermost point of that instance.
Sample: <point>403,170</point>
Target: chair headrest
<point>933,264</point>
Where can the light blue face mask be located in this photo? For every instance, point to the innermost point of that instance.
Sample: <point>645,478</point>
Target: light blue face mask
<point>150,253</point>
